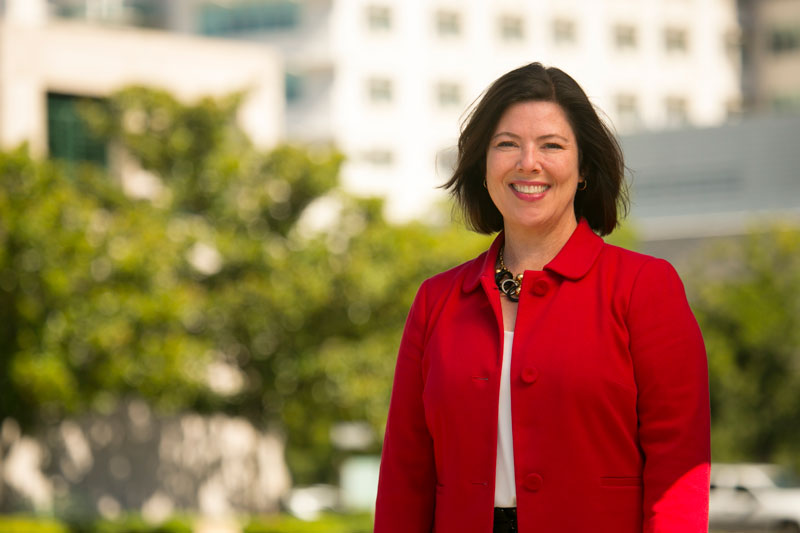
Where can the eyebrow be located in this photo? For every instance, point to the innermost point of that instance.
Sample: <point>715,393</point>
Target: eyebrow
<point>539,138</point>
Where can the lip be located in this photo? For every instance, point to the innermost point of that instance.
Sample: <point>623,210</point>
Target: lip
<point>529,196</point>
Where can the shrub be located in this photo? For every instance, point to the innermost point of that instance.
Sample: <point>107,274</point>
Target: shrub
<point>30,524</point>
<point>328,523</point>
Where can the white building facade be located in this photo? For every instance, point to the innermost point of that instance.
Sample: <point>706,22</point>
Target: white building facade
<point>387,81</point>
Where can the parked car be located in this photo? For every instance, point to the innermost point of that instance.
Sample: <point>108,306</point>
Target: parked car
<point>755,498</point>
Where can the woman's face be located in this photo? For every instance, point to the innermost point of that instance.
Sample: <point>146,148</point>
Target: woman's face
<point>532,168</point>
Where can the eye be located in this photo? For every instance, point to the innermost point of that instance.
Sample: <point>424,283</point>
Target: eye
<point>506,144</point>
<point>553,146</point>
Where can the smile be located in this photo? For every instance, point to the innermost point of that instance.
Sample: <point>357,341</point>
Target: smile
<point>529,189</point>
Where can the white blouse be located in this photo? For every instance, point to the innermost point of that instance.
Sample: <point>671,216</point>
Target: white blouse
<point>505,492</point>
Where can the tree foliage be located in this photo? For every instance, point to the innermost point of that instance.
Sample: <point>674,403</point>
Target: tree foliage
<point>748,305</point>
<point>245,281</point>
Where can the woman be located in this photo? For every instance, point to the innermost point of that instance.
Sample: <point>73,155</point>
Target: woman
<point>555,383</point>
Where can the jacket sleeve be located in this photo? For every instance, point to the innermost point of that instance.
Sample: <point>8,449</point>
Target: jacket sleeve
<point>671,372</point>
<point>407,483</point>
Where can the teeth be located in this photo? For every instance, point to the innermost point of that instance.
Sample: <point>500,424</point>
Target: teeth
<point>529,189</point>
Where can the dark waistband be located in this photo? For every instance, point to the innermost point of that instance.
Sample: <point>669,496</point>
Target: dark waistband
<point>505,514</point>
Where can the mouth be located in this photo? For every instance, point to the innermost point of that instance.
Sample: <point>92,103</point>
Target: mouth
<point>529,188</point>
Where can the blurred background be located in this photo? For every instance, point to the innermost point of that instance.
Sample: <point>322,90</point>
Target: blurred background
<point>214,217</point>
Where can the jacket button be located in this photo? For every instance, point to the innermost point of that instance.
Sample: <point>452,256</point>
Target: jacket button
<point>540,287</point>
<point>529,374</point>
<point>533,482</point>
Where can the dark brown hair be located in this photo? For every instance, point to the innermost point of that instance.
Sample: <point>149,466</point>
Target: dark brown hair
<point>600,157</point>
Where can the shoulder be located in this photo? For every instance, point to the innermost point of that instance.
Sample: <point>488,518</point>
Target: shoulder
<point>454,278</point>
<point>437,290</point>
<point>636,265</point>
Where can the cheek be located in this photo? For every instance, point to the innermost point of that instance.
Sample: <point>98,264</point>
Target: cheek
<point>566,170</point>
<point>490,164</point>
<point>496,165</point>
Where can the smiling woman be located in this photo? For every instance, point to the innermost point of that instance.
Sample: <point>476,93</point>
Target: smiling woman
<point>532,173</point>
<point>554,383</point>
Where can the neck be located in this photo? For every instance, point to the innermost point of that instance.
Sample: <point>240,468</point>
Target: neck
<point>527,250</point>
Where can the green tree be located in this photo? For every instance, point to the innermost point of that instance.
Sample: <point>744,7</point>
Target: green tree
<point>748,305</point>
<point>105,296</point>
<point>91,306</point>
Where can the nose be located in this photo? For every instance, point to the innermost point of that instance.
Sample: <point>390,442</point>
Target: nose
<point>528,161</point>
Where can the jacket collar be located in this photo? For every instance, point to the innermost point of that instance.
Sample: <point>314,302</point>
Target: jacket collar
<point>573,261</point>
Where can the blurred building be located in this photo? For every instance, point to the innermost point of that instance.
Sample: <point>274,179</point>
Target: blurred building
<point>691,187</point>
<point>770,55</point>
<point>48,64</point>
<point>387,81</point>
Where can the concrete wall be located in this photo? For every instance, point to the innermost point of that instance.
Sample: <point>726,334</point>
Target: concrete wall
<point>134,460</point>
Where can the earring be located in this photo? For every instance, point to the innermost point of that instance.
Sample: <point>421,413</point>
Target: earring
<point>484,184</point>
<point>582,185</point>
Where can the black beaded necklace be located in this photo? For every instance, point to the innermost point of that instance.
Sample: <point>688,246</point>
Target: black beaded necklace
<point>505,280</point>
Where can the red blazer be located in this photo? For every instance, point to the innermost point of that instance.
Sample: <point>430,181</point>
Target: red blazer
<point>609,400</point>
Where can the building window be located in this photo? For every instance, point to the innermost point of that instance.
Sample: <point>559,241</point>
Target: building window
<point>732,43</point>
<point>676,40</point>
<point>786,103</point>
<point>68,135</point>
<point>378,157</point>
<point>448,23</point>
<point>511,28</point>
<point>677,109</point>
<point>627,107</point>
<point>448,94</point>
<point>446,160</point>
<point>217,19</point>
<point>379,18</point>
<point>294,87</point>
<point>783,40</point>
<point>380,90</point>
<point>733,109</point>
<point>624,37</point>
<point>564,31</point>
<point>142,13</point>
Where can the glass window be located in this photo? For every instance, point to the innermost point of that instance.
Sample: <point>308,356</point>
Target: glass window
<point>627,106</point>
<point>786,103</point>
<point>784,40</point>
<point>294,87</point>
<point>448,23</point>
<point>380,90</point>
<point>511,28</point>
<point>448,94</point>
<point>624,37</point>
<point>144,13</point>
<point>216,19</point>
<point>380,157</point>
<point>677,109</point>
<point>676,40</point>
<point>379,18</point>
<point>733,108</point>
<point>446,160</point>
<point>68,136</point>
<point>732,43</point>
<point>564,31</point>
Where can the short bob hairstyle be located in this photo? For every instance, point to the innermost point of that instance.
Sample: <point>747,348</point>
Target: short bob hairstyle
<point>599,155</point>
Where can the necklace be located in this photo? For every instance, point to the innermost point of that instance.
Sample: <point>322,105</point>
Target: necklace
<point>505,280</point>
